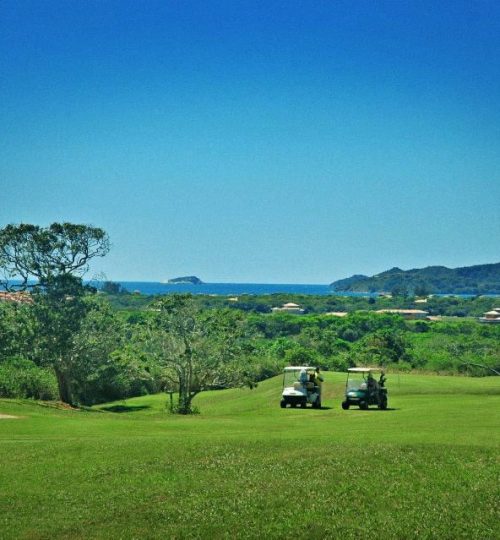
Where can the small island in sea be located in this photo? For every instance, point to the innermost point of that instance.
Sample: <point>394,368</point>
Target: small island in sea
<point>186,279</point>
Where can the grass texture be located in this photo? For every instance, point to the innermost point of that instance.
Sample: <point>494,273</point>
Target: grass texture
<point>244,468</point>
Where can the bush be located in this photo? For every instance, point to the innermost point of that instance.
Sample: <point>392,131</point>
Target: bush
<point>21,378</point>
<point>339,362</point>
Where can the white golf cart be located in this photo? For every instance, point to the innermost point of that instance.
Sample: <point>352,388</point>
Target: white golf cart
<point>299,388</point>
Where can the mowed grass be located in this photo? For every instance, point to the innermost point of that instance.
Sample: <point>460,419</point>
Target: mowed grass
<point>244,468</point>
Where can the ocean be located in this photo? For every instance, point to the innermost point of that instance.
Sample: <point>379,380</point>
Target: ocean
<point>228,289</point>
<point>235,289</point>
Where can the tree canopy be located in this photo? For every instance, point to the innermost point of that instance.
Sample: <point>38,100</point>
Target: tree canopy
<point>198,350</point>
<point>55,257</point>
<point>30,252</point>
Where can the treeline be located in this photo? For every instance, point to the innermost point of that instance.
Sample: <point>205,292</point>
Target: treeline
<point>452,306</point>
<point>365,338</point>
<point>116,354</point>
<point>451,345</point>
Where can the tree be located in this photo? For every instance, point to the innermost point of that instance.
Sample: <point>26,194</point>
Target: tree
<point>110,287</point>
<point>51,262</point>
<point>98,362</point>
<point>383,347</point>
<point>46,254</point>
<point>17,330</point>
<point>198,350</point>
<point>422,289</point>
<point>399,289</point>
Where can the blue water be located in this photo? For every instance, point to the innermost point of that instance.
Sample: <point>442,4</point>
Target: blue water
<point>145,287</point>
<point>235,289</point>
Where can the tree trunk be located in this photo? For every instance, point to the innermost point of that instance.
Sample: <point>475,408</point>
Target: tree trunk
<point>63,386</point>
<point>185,393</point>
<point>184,405</point>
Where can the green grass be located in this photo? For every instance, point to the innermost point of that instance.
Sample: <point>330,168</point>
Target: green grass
<point>245,468</point>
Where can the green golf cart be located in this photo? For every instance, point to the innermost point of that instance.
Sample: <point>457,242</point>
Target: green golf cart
<point>363,390</point>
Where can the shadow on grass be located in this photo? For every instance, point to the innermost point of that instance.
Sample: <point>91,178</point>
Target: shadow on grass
<point>125,408</point>
<point>374,409</point>
<point>323,408</point>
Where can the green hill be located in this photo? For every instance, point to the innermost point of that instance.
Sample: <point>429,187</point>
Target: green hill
<point>479,279</point>
<point>245,468</point>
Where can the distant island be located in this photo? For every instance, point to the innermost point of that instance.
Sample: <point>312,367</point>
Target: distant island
<point>187,279</point>
<point>479,279</point>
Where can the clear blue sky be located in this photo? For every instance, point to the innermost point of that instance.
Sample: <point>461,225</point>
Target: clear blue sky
<point>273,141</point>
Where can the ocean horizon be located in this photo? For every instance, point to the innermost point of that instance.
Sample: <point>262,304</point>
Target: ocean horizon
<point>228,289</point>
<point>235,289</point>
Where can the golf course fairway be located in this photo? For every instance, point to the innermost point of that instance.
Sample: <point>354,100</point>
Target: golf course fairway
<point>245,468</point>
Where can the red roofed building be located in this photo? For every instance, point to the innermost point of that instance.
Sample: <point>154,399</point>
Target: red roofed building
<point>18,297</point>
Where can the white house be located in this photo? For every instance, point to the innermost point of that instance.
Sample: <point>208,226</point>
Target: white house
<point>492,316</point>
<point>289,307</point>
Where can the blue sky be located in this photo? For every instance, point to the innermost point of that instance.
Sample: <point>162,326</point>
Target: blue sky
<point>286,142</point>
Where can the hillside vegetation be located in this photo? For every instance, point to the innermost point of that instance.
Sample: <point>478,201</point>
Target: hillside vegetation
<point>110,360</point>
<point>427,468</point>
<point>479,279</point>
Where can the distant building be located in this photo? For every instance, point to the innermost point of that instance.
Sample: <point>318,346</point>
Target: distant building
<point>492,316</point>
<point>408,314</point>
<point>21,297</point>
<point>337,313</point>
<point>290,307</point>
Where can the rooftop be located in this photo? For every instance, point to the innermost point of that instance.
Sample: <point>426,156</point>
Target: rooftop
<point>20,297</point>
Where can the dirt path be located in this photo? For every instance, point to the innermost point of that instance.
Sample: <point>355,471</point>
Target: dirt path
<point>6,416</point>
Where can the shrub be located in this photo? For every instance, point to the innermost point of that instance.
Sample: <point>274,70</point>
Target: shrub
<point>21,378</point>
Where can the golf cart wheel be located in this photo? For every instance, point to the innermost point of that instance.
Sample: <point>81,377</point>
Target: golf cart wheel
<point>383,404</point>
<point>363,405</point>
<point>346,405</point>
<point>282,403</point>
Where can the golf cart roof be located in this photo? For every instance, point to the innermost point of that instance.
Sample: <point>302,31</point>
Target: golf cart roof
<point>363,369</point>
<point>297,368</point>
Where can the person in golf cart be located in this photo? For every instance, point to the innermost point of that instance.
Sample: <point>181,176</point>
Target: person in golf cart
<point>363,390</point>
<point>308,381</point>
<point>318,380</point>
<point>299,390</point>
<point>303,376</point>
<point>372,384</point>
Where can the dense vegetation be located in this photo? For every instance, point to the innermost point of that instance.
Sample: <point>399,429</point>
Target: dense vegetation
<point>453,306</point>
<point>116,351</point>
<point>479,279</point>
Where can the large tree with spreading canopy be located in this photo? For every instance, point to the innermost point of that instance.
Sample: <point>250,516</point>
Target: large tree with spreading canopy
<point>51,261</point>
<point>32,256</point>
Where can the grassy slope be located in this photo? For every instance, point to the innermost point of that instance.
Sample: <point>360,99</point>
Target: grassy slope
<point>246,468</point>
